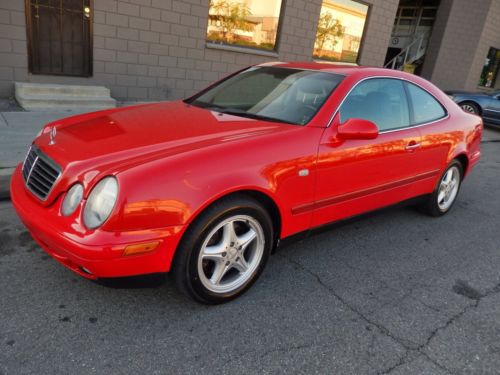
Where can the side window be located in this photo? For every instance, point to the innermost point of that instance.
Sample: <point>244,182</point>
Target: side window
<point>380,100</point>
<point>425,107</point>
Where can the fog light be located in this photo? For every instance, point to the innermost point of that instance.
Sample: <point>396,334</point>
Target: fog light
<point>140,248</point>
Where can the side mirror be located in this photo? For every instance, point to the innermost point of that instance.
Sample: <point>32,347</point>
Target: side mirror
<point>356,128</point>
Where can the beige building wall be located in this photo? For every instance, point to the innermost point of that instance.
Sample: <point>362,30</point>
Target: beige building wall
<point>156,49</point>
<point>463,33</point>
<point>378,32</point>
<point>436,39</point>
<point>490,37</point>
<point>13,48</point>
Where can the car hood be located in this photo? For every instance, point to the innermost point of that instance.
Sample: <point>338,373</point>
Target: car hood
<point>129,136</point>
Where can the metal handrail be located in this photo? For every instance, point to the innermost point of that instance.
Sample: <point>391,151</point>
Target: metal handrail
<point>405,52</point>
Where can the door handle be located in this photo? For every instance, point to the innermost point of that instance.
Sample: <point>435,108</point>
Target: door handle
<point>412,146</point>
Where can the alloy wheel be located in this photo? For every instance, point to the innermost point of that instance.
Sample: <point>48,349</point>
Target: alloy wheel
<point>231,253</point>
<point>448,188</point>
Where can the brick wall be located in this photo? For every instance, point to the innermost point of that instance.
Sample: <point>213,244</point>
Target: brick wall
<point>461,39</point>
<point>13,52</point>
<point>436,39</point>
<point>490,37</point>
<point>378,32</point>
<point>156,49</point>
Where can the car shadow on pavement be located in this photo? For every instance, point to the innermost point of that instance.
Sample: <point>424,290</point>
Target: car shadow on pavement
<point>156,280</point>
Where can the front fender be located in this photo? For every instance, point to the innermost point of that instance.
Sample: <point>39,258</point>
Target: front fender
<point>157,199</point>
<point>173,190</point>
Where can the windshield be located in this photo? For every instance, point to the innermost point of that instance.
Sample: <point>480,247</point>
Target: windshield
<point>269,93</point>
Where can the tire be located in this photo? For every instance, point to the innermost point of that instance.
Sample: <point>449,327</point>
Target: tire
<point>437,204</point>
<point>470,107</point>
<point>233,233</point>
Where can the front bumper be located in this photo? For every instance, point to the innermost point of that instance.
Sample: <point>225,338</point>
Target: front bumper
<point>91,254</point>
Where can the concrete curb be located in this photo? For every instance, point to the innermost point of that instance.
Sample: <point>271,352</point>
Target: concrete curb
<point>5,175</point>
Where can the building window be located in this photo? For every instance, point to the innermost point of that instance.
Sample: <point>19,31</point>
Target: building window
<point>340,30</point>
<point>60,37</point>
<point>415,17</point>
<point>246,23</point>
<point>490,69</point>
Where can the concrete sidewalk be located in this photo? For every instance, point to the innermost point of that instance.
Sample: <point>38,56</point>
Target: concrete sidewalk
<point>17,130</point>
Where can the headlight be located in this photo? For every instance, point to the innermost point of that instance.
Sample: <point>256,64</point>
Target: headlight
<point>100,202</point>
<point>72,199</point>
<point>451,97</point>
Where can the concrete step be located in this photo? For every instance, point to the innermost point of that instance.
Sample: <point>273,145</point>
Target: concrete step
<point>48,97</point>
<point>64,102</point>
<point>78,90</point>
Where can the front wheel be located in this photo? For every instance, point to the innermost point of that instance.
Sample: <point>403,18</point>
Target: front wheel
<point>224,250</point>
<point>446,191</point>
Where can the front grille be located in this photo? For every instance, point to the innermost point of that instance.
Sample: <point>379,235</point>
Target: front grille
<point>40,172</point>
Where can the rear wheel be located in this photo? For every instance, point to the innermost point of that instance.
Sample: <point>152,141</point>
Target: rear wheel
<point>446,191</point>
<point>224,251</point>
<point>470,107</point>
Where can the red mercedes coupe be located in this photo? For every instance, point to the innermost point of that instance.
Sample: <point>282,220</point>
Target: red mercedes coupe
<point>205,188</point>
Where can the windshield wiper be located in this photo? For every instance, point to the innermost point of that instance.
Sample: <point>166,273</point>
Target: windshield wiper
<point>238,112</point>
<point>242,113</point>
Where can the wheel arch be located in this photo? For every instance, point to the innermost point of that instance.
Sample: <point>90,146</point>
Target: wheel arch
<point>271,207</point>
<point>256,194</point>
<point>262,197</point>
<point>471,101</point>
<point>464,160</point>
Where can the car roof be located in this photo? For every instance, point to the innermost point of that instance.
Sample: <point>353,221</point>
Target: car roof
<point>338,68</point>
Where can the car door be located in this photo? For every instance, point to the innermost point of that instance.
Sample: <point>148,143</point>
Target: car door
<point>492,108</point>
<point>438,133</point>
<point>355,176</point>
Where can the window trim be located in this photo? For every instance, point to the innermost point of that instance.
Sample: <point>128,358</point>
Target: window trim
<point>447,115</point>
<point>248,49</point>
<point>361,42</point>
<point>241,49</point>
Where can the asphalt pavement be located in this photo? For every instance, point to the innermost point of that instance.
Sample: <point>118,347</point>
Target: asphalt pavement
<point>395,292</point>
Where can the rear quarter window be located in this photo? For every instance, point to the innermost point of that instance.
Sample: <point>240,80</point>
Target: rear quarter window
<point>425,107</point>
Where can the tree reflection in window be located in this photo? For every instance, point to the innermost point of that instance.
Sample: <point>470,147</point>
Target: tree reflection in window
<point>340,30</point>
<point>246,23</point>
